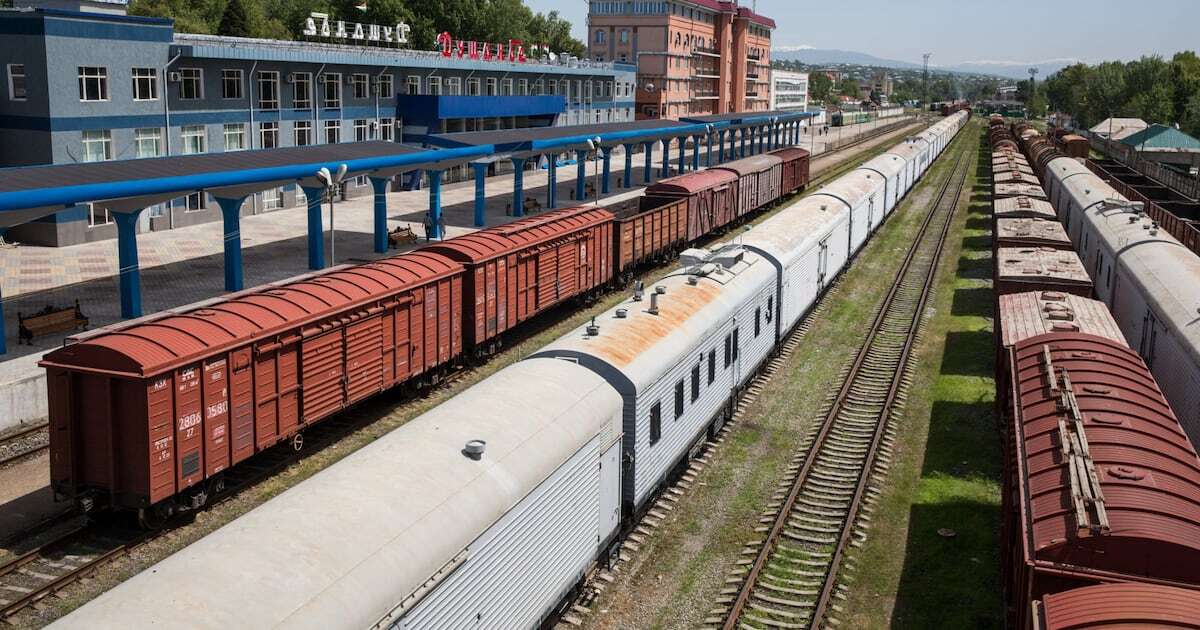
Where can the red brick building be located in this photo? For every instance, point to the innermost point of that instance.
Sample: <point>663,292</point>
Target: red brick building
<point>694,57</point>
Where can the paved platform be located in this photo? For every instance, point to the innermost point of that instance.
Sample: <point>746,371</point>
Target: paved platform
<point>185,265</point>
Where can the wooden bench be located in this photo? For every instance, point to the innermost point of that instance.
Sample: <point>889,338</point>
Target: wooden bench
<point>50,320</point>
<point>400,236</point>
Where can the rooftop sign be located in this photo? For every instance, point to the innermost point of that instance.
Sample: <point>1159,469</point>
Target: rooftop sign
<point>486,51</point>
<point>318,25</point>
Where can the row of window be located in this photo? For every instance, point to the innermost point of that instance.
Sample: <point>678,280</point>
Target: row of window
<point>730,354</point>
<point>148,142</point>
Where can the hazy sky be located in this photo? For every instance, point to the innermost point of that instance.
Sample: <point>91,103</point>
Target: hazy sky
<point>956,31</point>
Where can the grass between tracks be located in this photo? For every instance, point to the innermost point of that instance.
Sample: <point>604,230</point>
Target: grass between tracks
<point>391,410</point>
<point>674,580</point>
<point>947,465</point>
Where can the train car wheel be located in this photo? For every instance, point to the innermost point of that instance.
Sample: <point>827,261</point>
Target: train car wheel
<point>155,517</point>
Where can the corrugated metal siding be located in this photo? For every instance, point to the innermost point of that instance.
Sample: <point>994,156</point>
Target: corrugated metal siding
<point>321,362</point>
<point>1120,606</point>
<point>520,568</point>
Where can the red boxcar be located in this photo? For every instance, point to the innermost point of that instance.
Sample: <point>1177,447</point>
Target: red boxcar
<point>794,167</point>
<point>517,270</point>
<point>1122,606</point>
<point>711,197</point>
<point>649,234</point>
<point>1028,233</point>
<point>760,180</point>
<point>1103,484</point>
<point>142,412</point>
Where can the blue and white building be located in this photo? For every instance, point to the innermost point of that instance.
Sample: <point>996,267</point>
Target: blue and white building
<point>83,82</point>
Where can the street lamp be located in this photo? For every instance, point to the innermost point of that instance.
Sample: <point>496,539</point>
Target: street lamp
<point>594,146</point>
<point>331,182</point>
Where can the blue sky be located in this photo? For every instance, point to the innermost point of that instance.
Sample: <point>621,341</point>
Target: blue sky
<point>957,31</point>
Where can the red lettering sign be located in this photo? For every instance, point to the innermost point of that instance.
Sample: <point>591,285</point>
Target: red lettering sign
<point>513,51</point>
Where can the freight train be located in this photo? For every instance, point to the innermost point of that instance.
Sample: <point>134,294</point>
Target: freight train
<point>843,119</point>
<point>1101,487</point>
<point>150,415</point>
<point>489,509</point>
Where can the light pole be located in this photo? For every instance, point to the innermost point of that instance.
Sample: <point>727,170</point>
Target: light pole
<point>594,146</point>
<point>332,181</point>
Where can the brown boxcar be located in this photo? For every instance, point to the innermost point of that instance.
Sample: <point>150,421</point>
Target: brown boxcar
<point>649,234</point>
<point>1013,189</point>
<point>1017,176</point>
<point>795,167</point>
<point>1103,484</point>
<point>1120,606</point>
<point>1020,269</point>
<point>760,179</point>
<point>517,270</point>
<point>1023,208</point>
<point>711,197</point>
<point>1075,146</point>
<point>141,413</point>
<point>1031,233</point>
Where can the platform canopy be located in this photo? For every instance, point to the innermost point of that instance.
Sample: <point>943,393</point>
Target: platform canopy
<point>547,139</point>
<point>27,193</point>
<point>740,119</point>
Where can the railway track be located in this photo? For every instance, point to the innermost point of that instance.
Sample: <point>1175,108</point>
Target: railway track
<point>24,443</point>
<point>789,578</point>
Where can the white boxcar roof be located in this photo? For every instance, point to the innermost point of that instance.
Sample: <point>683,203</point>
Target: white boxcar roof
<point>1031,231</point>
<point>343,548</point>
<point>1032,313</point>
<point>853,188</point>
<point>1028,263</point>
<point>793,231</point>
<point>642,346</point>
<point>893,161</point>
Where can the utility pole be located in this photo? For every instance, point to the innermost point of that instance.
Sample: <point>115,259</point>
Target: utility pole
<point>925,82</point>
<point>1032,88</point>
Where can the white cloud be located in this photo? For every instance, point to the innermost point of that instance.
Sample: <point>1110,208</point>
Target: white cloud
<point>793,48</point>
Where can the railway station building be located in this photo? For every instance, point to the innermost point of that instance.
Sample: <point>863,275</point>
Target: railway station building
<point>693,57</point>
<point>149,91</point>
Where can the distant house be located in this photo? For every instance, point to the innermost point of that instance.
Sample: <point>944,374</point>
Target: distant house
<point>1119,128</point>
<point>1163,143</point>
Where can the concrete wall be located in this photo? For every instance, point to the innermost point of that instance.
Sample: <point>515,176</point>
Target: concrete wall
<point>23,400</point>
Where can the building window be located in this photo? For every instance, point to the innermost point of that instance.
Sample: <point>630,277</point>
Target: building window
<point>385,88</point>
<point>331,91</point>
<point>472,87</point>
<point>433,86</point>
<point>333,131</point>
<point>301,90</point>
<point>655,423</point>
<point>506,87</point>
<point>17,90</point>
<point>361,130</point>
<point>414,85</point>
<point>268,90</point>
<point>145,84</point>
<point>191,84</point>
<point>453,86</point>
<point>98,216</point>
<point>148,142</point>
<point>387,129</point>
<point>599,37</point>
<point>552,87</point>
<point>193,139</point>
<point>624,37</point>
<point>523,87</point>
<point>679,399</point>
<point>302,133</point>
<point>231,84</point>
<point>235,137</point>
<point>194,202</point>
<point>359,83</point>
<point>272,199</point>
<point>537,87</point>
<point>696,382</point>
<point>97,145</point>
<point>268,135</point>
<point>93,83</point>
<point>491,86</point>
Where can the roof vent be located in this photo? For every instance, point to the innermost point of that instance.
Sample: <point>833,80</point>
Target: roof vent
<point>660,289</point>
<point>693,280</point>
<point>593,329</point>
<point>621,313</point>
<point>694,256</point>
<point>654,303</point>
<point>639,290</point>
<point>730,256</point>
<point>474,449</point>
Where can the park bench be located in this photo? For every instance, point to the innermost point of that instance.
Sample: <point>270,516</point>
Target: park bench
<point>50,320</point>
<point>400,236</point>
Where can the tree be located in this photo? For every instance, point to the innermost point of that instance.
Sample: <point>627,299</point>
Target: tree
<point>819,85</point>
<point>235,22</point>
<point>848,87</point>
<point>1185,77</point>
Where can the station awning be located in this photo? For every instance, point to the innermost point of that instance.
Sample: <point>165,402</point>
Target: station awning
<point>536,139</point>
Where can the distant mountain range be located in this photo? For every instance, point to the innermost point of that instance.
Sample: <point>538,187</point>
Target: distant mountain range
<point>1006,69</point>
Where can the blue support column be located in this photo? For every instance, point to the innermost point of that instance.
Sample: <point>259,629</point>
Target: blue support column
<point>745,133</point>
<point>580,174</point>
<point>127,263</point>
<point>629,166</point>
<point>647,148</point>
<point>708,151</point>
<point>552,182</point>
<point>518,187</point>
<point>682,155</point>
<point>695,153</point>
<point>666,158</point>
<point>606,157</point>
<point>316,230</point>
<point>721,154</point>
<point>379,186</point>
<point>231,215</point>
<point>435,205</point>
<point>480,193</point>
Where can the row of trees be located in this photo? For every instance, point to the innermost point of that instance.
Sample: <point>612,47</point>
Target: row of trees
<point>908,85</point>
<point>484,20</point>
<point>1151,88</point>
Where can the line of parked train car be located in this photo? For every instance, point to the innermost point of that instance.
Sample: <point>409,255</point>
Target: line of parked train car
<point>149,415</point>
<point>947,108</point>
<point>843,119</point>
<point>1101,491</point>
<point>488,510</point>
